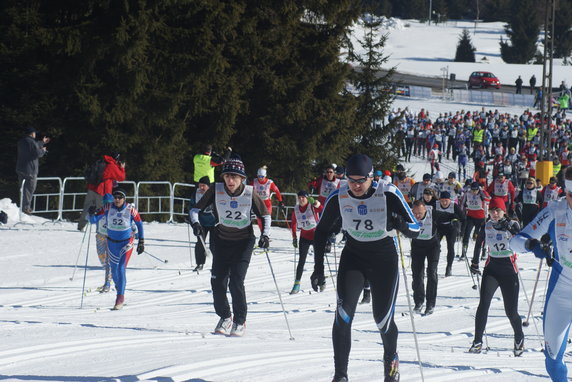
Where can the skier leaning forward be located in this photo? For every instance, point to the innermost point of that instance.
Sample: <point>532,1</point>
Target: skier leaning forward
<point>500,271</point>
<point>368,213</point>
<point>232,242</point>
<point>555,220</point>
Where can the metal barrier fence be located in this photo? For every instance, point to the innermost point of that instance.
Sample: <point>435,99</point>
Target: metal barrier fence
<point>173,202</point>
<point>493,98</point>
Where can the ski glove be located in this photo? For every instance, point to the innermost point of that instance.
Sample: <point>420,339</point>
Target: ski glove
<point>91,210</point>
<point>475,269</point>
<point>264,242</point>
<point>311,200</point>
<point>141,246</point>
<point>318,281</point>
<point>295,243</point>
<point>534,246</point>
<point>197,229</point>
<point>282,206</point>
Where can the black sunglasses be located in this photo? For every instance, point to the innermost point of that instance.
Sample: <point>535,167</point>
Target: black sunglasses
<point>359,181</point>
<point>118,197</point>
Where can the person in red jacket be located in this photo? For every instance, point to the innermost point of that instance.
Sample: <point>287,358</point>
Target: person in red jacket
<point>305,216</point>
<point>324,185</point>
<point>503,188</point>
<point>474,203</point>
<point>114,172</point>
<point>265,187</point>
<point>551,192</point>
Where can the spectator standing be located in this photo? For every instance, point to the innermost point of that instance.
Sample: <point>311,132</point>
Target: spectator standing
<point>28,165</point>
<point>532,83</point>
<point>518,84</point>
<point>114,172</point>
<point>206,162</point>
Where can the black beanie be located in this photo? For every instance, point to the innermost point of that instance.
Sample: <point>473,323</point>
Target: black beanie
<point>205,180</point>
<point>359,164</point>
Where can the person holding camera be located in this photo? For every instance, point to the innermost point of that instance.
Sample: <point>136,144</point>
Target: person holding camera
<point>232,242</point>
<point>27,165</point>
<point>119,217</point>
<point>109,171</point>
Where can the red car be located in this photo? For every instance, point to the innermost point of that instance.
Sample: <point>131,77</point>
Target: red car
<point>483,80</point>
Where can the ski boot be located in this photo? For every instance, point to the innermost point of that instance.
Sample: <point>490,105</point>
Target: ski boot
<point>339,379</point>
<point>119,302</point>
<point>428,311</point>
<point>391,368</point>
<point>518,348</point>
<point>463,253</point>
<point>237,330</point>
<point>417,308</point>
<point>366,297</point>
<point>198,268</point>
<point>448,271</point>
<point>106,287</point>
<point>223,326</point>
<point>476,348</point>
<point>296,287</point>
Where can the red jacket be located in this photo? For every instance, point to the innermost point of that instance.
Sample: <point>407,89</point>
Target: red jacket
<point>306,234</point>
<point>112,173</point>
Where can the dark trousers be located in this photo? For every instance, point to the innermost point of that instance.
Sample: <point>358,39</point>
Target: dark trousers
<point>304,246</point>
<point>381,269</point>
<point>421,250</point>
<point>450,233</point>
<point>499,273</point>
<point>29,189</point>
<point>230,263</point>
<point>471,223</point>
<point>200,253</point>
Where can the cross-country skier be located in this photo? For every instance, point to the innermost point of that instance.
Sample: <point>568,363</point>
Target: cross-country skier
<point>556,220</point>
<point>206,218</point>
<point>119,218</point>
<point>369,215</point>
<point>232,242</point>
<point>305,216</point>
<point>265,188</point>
<point>500,271</point>
<point>101,246</point>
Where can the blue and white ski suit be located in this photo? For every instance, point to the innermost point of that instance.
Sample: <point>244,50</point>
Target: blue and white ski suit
<point>556,220</point>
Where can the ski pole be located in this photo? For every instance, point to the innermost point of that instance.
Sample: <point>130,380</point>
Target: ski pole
<point>530,306</point>
<point>410,309</point>
<point>85,269</point>
<point>330,269</point>
<point>278,292</point>
<point>469,271</point>
<point>190,251</point>
<point>526,322</point>
<point>485,330</point>
<point>207,251</point>
<point>156,258</point>
<point>78,254</point>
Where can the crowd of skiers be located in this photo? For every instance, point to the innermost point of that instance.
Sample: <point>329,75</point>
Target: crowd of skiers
<point>370,208</point>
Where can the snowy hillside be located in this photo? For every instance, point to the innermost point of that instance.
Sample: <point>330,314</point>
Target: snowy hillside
<point>164,331</point>
<point>417,48</point>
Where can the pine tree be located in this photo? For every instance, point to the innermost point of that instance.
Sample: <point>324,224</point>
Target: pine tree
<point>523,29</point>
<point>373,98</point>
<point>563,29</point>
<point>465,49</point>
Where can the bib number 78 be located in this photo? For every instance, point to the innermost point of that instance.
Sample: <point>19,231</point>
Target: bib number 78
<point>367,224</point>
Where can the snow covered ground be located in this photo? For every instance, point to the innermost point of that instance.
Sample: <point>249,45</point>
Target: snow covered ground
<point>417,48</point>
<point>164,331</point>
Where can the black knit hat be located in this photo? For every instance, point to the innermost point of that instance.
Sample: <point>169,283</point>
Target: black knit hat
<point>359,164</point>
<point>205,180</point>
